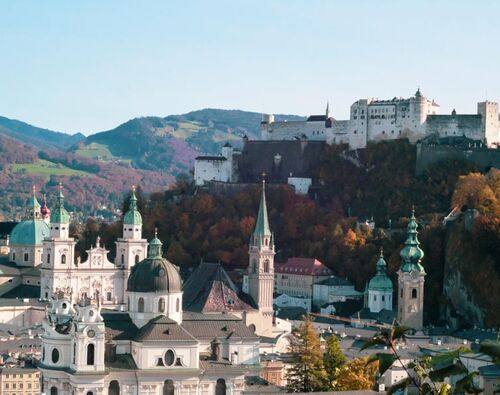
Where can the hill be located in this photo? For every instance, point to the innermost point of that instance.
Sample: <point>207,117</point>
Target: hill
<point>170,144</point>
<point>38,137</point>
<point>89,184</point>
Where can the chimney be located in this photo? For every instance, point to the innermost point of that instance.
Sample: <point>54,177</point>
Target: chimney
<point>110,351</point>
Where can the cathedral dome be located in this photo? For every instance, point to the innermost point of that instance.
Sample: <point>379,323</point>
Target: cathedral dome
<point>155,273</point>
<point>30,232</point>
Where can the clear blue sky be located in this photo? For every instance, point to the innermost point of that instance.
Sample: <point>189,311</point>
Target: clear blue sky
<point>90,65</point>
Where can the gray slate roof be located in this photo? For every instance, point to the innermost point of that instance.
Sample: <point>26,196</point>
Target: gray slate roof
<point>163,329</point>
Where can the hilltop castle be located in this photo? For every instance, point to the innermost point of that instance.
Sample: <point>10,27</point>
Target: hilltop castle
<point>378,120</point>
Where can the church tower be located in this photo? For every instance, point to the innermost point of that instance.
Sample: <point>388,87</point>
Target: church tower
<point>58,251</point>
<point>379,293</point>
<point>411,278</point>
<point>261,267</point>
<point>131,247</point>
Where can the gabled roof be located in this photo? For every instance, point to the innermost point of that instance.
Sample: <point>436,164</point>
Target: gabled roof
<point>303,266</point>
<point>209,290</point>
<point>163,329</point>
<point>209,326</point>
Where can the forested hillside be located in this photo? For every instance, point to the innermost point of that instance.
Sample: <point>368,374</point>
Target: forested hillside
<point>218,228</point>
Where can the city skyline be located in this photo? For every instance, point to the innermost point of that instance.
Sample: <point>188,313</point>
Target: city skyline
<point>90,66</point>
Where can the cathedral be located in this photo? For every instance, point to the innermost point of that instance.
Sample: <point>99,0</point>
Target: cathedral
<point>132,327</point>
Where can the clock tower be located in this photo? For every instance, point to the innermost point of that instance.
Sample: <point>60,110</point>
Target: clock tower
<point>411,279</point>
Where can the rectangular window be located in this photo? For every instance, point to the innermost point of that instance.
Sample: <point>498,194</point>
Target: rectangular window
<point>108,296</point>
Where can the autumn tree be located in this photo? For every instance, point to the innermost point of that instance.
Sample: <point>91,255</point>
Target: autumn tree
<point>307,371</point>
<point>333,359</point>
<point>357,374</point>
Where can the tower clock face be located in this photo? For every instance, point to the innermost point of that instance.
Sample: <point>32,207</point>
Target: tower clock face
<point>414,275</point>
<point>91,333</point>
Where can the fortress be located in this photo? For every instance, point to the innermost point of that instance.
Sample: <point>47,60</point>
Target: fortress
<point>377,120</point>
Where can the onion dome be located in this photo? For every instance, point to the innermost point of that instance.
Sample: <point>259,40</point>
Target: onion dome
<point>44,210</point>
<point>155,273</point>
<point>132,216</point>
<point>60,215</point>
<point>380,282</point>
<point>411,253</point>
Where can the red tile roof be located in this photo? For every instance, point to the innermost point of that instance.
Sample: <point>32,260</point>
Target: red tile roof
<point>303,266</point>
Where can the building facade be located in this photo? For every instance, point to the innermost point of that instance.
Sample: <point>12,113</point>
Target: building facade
<point>297,276</point>
<point>214,167</point>
<point>96,277</point>
<point>373,120</point>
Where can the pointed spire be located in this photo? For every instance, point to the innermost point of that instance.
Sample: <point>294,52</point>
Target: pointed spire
<point>381,264</point>
<point>411,253</point>
<point>262,224</point>
<point>33,209</point>
<point>60,215</point>
<point>327,113</point>
<point>132,216</point>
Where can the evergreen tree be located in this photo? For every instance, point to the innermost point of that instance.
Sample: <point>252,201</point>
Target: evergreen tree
<point>333,359</point>
<point>307,373</point>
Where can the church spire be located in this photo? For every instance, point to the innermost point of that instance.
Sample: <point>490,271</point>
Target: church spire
<point>59,214</point>
<point>327,112</point>
<point>132,216</point>
<point>262,225</point>
<point>411,253</point>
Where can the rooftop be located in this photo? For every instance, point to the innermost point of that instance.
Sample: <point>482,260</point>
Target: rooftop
<point>303,266</point>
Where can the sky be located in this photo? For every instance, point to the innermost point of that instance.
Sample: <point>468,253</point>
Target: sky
<point>88,66</point>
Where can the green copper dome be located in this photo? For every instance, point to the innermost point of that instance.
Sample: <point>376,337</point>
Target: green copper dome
<point>30,232</point>
<point>380,282</point>
<point>411,253</point>
<point>155,273</point>
<point>132,216</point>
<point>59,215</point>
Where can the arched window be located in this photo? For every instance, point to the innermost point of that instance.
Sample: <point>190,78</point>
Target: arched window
<point>48,258</point>
<point>168,387</point>
<point>74,352</point>
<point>90,393</point>
<point>137,259</point>
<point>140,305</point>
<point>114,388</point>
<point>13,256</point>
<point>43,354</point>
<point>177,305</point>
<point>161,305</point>
<point>26,257</point>
<point>220,387</point>
<point>55,355</point>
<point>53,390</point>
<point>414,293</point>
<point>90,354</point>
<point>63,259</point>
<point>266,266</point>
<point>122,259</point>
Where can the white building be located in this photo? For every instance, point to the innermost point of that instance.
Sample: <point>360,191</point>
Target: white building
<point>96,277</point>
<point>380,288</point>
<point>334,289</point>
<point>215,167</point>
<point>285,300</point>
<point>378,120</point>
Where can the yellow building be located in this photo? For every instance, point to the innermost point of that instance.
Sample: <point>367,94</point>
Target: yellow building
<point>19,380</point>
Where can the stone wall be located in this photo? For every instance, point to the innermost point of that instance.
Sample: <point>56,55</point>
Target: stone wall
<point>427,155</point>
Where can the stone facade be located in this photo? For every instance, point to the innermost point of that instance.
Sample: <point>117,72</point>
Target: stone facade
<point>373,120</point>
<point>214,168</point>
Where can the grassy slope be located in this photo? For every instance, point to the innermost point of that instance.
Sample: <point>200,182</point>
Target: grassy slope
<point>46,169</point>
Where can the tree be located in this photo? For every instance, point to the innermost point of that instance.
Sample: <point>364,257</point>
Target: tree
<point>333,358</point>
<point>357,374</point>
<point>307,372</point>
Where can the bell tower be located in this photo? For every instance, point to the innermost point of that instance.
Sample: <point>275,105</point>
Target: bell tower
<point>58,251</point>
<point>261,268</point>
<point>131,248</point>
<point>411,278</point>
